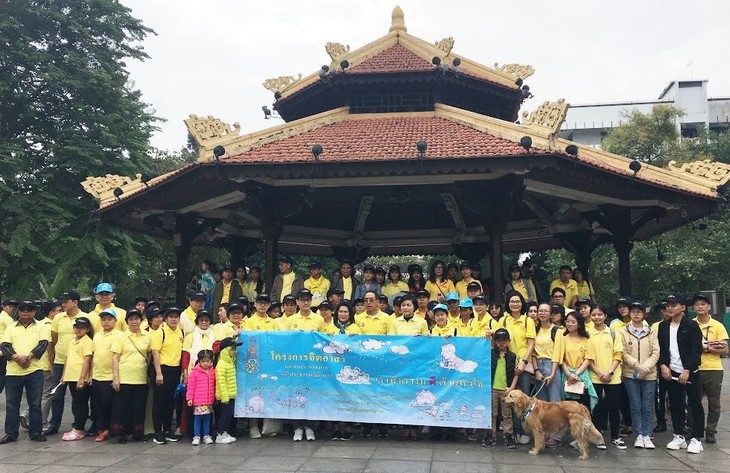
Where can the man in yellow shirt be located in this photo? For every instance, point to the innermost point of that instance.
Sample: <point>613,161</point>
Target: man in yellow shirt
<point>567,284</point>
<point>317,284</point>
<point>104,295</point>
<point>225,291</point>
<point>260,320</point>
<point>373,321</point>
<point>23,345</point>
<point>6,318</point>
<point>166,346</point>
<point>466,278</point>
<point>287,281</point>
<point>714,346</point>
<point>62,332</point>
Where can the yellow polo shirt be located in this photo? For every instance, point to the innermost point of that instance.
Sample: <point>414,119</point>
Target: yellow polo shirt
<point>606,349</point>
<point>461,287</point>
<point>712,331</point>
<point>223,329</point>
<point>330,329</point>
<point>479,327</point>
<point>102,362</point>
<point>256,323</point>
<point>570,288</point>
<point>46,362</point>
<point>171,348</point>
<point>187,319</point>
<point>121,318</point>
<point>226,296</point>
<point>520,287</point>
<point>584,289</point>
<point>436,289</point>
<point>573,352</point>
<point>133,351</point>
<point>63,327</point>
<point>23,340</point>
<point>78,349</point>
<point>447,329</point>
<point>415,326</point>
<point>347,288</point>
<point>305,323</point>
<point>520,330</point>
<point>373,325</point>
<point>5,320</point>
<point>390,288</point>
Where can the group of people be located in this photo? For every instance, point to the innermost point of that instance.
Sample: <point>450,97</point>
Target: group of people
<point>145,371</point>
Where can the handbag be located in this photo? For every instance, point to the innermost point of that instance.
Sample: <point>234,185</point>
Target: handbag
<point>529,368</point>
<point>576,388</point>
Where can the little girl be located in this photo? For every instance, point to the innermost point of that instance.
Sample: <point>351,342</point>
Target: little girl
<point>77,372</point>
<point>201,395</point>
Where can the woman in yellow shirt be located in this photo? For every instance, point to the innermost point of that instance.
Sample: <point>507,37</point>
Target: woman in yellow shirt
<point>545,359</point>
<point>394,285</point>
<point>77,372</point>
<point>345,322</point>
<point>483,324</point>
<point>326,311</point>
<point>576,354</point>
<point>466,313</point>
<point>438,285</point>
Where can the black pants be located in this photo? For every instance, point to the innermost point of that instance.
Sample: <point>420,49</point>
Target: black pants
<point>607,411</point>
<point>693,391</point>
<point>102,395</point>
<point>128,406</point>
<point>660,402</point>
<point>3,369</point>
<point>80,405</point>
<point>162,404</point>
<point>625,406</point>
<point>226,416</point>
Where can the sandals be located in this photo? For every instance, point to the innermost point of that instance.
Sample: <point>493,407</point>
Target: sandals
<point>73,435</point>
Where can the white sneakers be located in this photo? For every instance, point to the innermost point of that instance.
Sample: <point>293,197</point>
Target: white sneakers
<point>644,441</point>
<point>309,433</point>
<point>522,439</point>
<point>224,438</point>
<point>648,444</point>
<point>677,443</point>
<point>695,446</point>
<point>207,440</point>
<point>196,441</point>
<point>298,435</point>
<point>254,432</point>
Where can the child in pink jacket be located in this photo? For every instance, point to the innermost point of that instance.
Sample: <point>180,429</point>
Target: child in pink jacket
<point>201,395</point>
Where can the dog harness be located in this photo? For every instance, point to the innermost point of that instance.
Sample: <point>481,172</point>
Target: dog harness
<point>528,412</point>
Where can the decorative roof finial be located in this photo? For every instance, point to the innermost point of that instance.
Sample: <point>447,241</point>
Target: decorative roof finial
<point>398,22</point>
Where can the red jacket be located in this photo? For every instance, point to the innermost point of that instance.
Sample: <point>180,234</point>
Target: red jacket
<point>201,386</point>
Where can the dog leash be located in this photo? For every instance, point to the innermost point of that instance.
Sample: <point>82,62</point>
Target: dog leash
<point>533,394</point>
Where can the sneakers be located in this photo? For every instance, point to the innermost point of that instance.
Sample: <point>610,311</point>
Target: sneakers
<point>489,440</point>
<point>309,433</point>
<point>171,437</point>
<point>648,443</point>
<point>509,442</point>
<point>599,446</point>
<point>639,443</point>
<point>677,443</point>
<point>254,432</point>
<point>196,441</point>
<point>695,446</point>
<point>207,440</point>
<point>383,432</point>
<point>522,439</point>
<point>225,439</point>
<point>710,437</point>
<point>366,431</point>
<point>346,436</point>
<point>159,439</point>
<point>336,435</point>
<point>298,435</point>
<point>619,443</point>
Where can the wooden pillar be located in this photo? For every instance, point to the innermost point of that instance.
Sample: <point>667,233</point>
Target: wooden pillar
<point>618,221</point>
<point>496,230</point>
<point>623,248</point>
<point>271,253</point>
<point>581,245</point>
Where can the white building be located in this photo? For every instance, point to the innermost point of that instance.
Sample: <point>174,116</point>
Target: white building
<point>589,123</point>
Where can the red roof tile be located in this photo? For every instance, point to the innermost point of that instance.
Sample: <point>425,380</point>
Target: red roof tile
<point>394,59</point>
<point>381,139</point>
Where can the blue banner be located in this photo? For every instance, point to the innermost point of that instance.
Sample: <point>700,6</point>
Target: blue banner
<point>374,379</point>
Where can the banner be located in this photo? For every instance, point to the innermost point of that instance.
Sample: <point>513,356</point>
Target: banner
<point>373,379</point>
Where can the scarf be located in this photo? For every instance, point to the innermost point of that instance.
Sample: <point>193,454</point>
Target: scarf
<point>586,378</point>
<point>198,344</point>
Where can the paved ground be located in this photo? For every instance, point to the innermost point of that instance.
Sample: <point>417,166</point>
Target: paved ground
<point>358,455</point>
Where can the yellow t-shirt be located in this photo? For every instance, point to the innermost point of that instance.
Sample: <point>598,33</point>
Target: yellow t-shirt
<point>462,329</point>
<point>461,287</point>
<point>712,331</point>
<point>63,327</point>
<point>187,320</point>
<point>347,288</point>
<point>23,340</point>
<point>373,325</point>
<point>133,351</point>
<point>121,318</point>
<point>223,329</point>
<point>169,343</point>
<point>5,320</point>
<point>78,348</point>
<point>520,330</point>
<point>102,361</point>
<point>573,352</point>
<point>415,326</point>
<point>319,288</point>
<point>44,359</point>
<point>439,288</point>
<point>226,297</point>
<point>330,329</point>
<point>305,323</point>
<point>584,289</point>
<point>544,344</point>
<point>446,330</point>
<point>479,327</point>
<point>256,323</point>
<point>571,290</point>
<point>287,280</point>
<point>249,290</point>
<point>606,348</point>
<point>390,289</point>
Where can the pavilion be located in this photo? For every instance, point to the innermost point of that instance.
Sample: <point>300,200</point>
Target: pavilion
<point>404,147</point>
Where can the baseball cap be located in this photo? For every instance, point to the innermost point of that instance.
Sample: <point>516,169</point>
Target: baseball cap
<point>10,302</point>
<point>585,300</point>
<point>335,291</point>
<point>480,297</point>
<point>233,306</point>
<point>82,322</point>
<point>440,307</point>
<point>70,295</point>
<point>557,308</point>
<point>315,265</point>
<point>639,305</point>
<point>111,312</point>
<point>326,305</point>
<point>396,301</point>
<point>474,285</point>
<point>172,310</point>
<point>699,296</point>
<point>501,334</point>
<point>431,305</point>
<point>623,300</point>
<point>452,296</point>
<point>197,295</point>
<point>676,297</point>
<point>103,287</point>
<point>290,299</point>
<point>304,293</point>
<point>263,298</point>
<point>423,292</point>
<point>26,304</point>
<point>136,313</point>
<point>151,312</point>
<point>466,303</point>
<point>203,313</point>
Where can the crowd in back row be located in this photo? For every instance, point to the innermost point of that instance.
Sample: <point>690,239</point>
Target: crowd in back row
<point>124,368</point>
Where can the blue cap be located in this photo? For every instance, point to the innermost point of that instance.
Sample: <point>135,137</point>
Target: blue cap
<point>440,307</point>
<point>103,287</point>
<point>466,303</point>
<point>452,296</point>
<point>108,311</point>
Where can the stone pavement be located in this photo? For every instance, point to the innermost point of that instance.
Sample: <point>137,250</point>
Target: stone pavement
<point>357,455</point>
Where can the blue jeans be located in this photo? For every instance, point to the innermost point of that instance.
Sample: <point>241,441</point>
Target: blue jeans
<point>201,425</point>
<point>641,400</point>
<point>33,384</point>
<point>551,392</point>
<point>58,398</point>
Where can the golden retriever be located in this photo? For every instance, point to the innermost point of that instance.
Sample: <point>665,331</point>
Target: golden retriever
<point>555,418</point>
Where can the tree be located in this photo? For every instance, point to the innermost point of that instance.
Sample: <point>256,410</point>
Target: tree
<point>67,111</point>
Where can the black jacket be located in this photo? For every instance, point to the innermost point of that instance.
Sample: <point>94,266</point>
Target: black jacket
<point>689,341</point>
<point>511,362</point>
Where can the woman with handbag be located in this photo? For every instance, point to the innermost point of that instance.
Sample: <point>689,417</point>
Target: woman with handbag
<point>576,354</point>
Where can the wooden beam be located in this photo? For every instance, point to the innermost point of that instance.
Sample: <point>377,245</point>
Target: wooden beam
<point>366,204</point>
<point>552,190</point>
<point>452,206</point>
<point>214,203</point>
<point>539,211</point>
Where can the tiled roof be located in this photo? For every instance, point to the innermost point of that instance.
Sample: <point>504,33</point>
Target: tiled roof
<point>396,58</point>
<point>386,138</point>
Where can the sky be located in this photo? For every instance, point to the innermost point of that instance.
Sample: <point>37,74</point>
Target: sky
<point>211,57</point>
